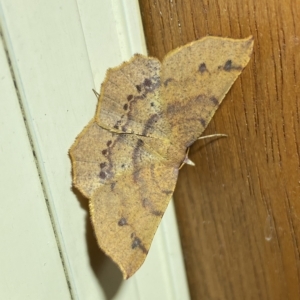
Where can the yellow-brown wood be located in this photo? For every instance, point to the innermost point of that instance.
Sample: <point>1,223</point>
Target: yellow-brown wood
<point>239,208</point>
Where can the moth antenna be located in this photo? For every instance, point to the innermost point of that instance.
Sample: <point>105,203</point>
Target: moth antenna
<point>96,94</point>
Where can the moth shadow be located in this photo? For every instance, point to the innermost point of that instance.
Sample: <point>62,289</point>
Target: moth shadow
<point>106,271</point>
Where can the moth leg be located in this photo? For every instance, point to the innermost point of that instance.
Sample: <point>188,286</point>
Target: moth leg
<point>187,160</point>
<point>190,162</point>
<point>212,135</point>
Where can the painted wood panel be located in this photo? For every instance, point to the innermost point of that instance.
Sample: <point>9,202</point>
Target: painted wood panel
<point>30,263</point>
<point>60,51</point>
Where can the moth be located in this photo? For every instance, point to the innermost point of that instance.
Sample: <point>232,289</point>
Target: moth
<point>126,160</point>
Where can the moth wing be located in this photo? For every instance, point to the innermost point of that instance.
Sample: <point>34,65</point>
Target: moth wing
<point>129,101</point>
<point>129,180</point>
<point>195,79</point>
<point>99,156</point>
<point>126,219</point>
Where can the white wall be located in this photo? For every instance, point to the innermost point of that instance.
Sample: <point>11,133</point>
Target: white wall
<point>59,51</point>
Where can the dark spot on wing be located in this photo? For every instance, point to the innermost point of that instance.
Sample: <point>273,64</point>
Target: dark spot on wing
<point>102,175</point>
<point>228,65</point>
<point>125,107</point>
<point>136,156</point>
<point>122,166</point>
<point>167,81</point>
<point>203,122</point>
<point>157,213</point>
<point>201,98</point>
<point>202,68</point>
<point>104,152</point>
<point>103,165</point>
<point>117,125</point>
<point>138,243</point>
<point>147,82</point>
<point>122,222</point>
<point>150,124</point>
<point>152,104</point>
<point>152,84</point>
<point>129,97</point>
<point>147,204</point>
<point>140,143</point>
<point>124,128</point>
<point>138,88</point>
<point>108,143</point>
<point>214,100</point>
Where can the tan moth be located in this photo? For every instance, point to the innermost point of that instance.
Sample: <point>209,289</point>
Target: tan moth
<point>126,160</point>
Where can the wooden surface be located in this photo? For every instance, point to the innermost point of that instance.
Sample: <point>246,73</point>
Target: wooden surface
<point>239,208</point>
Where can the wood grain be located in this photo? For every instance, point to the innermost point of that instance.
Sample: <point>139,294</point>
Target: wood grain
<point>239,208</point>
